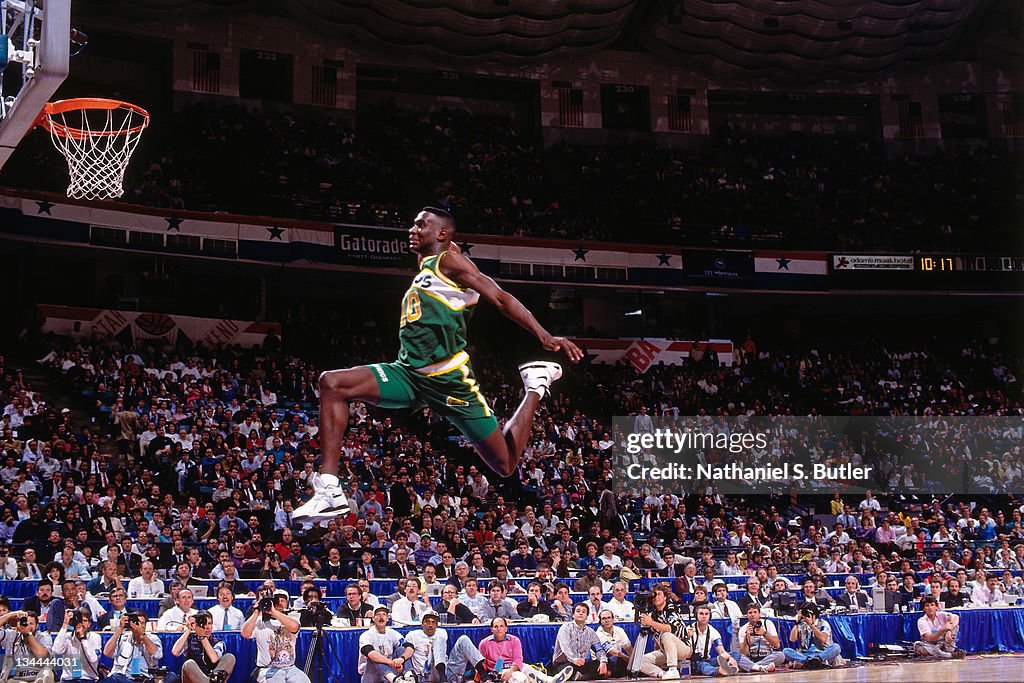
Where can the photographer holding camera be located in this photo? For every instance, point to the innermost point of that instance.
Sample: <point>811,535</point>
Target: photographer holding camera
<point>667,623</point>
<point>205,659</point>
<point>314,612</point>
<point>273,569</point>
<point>133,650</point>
<point>78,641</point>
<point>814,636</point>
<point>758,643</point>
<point>275,634</point>
<point>23,643</point>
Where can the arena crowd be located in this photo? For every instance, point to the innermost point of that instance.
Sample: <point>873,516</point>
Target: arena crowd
<point>184,471</point>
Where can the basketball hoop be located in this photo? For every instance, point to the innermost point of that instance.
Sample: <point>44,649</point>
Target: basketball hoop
<point>97,137</point>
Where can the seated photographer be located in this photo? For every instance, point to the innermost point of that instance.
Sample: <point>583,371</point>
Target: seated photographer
<point>205,658</point>
<point>383,653</point>
<point>76,597</point>
<point>852,598</point>
<point>110,618</point>
<point>275,634</point>
<point>354,611</point>
<point>666,621</point>
<point>431,664</point>
<point>24,642</point>
<point>314,612</point>
<point>273,568</point>
<point>938,630</point>
<point>615,642</point>
<point>300,602</point>
<point>535,605</point>
<point>707,641</point>
<point>226,617</point>
<point>77,640</point>
<point>577,645</point>
<point>814,638</point>
<point>175,618</point>
<point>757,645</point>
<point>452,611</point>
<point>133,650</point>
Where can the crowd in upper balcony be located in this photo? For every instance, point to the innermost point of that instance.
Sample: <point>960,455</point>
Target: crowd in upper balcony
<point>798,191</point>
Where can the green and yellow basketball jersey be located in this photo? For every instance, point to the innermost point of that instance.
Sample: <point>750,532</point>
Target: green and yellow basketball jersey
<point>435,312</point>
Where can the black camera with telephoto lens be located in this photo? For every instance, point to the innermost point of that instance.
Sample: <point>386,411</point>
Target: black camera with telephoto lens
<point>643,603</point>
<point>315,614</point>
<point>266,604</point>
<point>23,621</point>
<point>134,619</point>
<point>202,619</point>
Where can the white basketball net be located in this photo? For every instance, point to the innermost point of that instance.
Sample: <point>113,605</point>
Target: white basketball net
<point>97,143</point>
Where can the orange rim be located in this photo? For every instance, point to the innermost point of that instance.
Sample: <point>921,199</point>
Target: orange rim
<point>84,104</point>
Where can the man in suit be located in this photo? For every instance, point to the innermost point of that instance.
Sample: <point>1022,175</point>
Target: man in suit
<point>853,597</point>
<point>366,567</point>
<point>29,568</point>
<point>687,581</point>
<point>671,569</point>
<point>402,566</point>
<point>752,596</point>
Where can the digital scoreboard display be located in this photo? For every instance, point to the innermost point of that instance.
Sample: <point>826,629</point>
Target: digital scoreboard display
<point>943,272</point>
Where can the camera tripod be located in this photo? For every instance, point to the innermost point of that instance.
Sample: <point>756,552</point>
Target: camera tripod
<point>636,657</point>
<point>316,657</point>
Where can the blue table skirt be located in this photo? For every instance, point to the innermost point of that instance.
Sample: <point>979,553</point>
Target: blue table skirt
<point>982,630</point>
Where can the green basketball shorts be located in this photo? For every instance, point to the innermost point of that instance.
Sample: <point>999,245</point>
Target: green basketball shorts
<point>448,388</point>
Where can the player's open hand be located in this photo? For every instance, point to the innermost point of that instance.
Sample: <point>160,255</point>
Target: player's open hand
<point>563,344</point>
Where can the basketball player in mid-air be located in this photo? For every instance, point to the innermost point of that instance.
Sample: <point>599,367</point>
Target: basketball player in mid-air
<point>433,367</point>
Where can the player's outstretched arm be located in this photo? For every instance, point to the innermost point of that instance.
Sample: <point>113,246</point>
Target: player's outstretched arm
<point>464,272</point>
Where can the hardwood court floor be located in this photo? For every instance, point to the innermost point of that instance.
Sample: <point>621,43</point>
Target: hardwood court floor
<point>975,669</point>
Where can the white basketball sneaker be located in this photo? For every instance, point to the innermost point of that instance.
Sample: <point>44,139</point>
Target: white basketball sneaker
<point>328,502</point>
<point>538,376</point>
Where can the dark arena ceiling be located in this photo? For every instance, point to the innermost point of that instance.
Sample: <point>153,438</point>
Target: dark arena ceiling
<point>789,39</point>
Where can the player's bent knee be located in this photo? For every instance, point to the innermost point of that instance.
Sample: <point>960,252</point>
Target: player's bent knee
<point>338,382</point>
